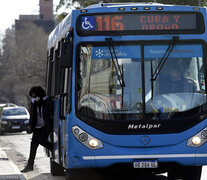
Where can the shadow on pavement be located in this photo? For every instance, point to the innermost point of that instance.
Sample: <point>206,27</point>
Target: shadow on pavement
<point>146,177</point>
<point>123,174</point>
<point>91,175</point>
<point>46,176</point>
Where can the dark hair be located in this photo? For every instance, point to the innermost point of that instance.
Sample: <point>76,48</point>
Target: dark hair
<point>38,90</point>
<point>176,67</point>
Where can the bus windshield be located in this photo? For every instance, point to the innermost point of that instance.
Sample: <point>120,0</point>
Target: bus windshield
<point>179,87</point>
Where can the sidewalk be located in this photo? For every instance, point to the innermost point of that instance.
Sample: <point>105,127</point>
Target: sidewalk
<point>8,170</point>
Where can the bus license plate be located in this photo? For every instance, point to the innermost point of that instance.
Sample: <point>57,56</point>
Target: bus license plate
<point>145,164</point>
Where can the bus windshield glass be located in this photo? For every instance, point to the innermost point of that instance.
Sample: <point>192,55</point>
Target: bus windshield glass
<point>179,87</point>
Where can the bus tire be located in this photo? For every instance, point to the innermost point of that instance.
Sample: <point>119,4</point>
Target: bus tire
<point>56,169</point>
<point>82,174</point>
<point>175,173</point>
<point>193,173</point>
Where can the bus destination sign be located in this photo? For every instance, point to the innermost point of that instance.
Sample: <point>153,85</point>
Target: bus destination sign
<point>150,23</point>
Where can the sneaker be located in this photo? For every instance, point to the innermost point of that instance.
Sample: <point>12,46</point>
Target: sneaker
<point>27,169</point>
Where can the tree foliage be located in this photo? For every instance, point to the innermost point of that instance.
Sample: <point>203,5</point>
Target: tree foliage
<point>84,3</point>
<point>23,63</point>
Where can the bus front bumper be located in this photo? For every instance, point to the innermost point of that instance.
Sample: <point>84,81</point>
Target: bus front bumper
<point>178,155</point>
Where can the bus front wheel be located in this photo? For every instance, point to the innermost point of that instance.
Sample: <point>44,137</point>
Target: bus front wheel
<point>185,173</point>
<point>82,174</point>
<point>192,173</point>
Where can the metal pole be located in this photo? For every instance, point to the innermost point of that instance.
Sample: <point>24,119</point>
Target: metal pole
<point>199,3</point>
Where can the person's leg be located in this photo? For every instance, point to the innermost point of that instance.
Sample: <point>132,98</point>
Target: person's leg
<point>33,149</point>
<point>44,139</point>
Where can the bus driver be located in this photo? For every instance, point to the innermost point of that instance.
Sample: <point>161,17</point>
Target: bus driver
<point>176,82</point>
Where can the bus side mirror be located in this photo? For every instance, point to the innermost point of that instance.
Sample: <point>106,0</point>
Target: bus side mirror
<point>67,52</point>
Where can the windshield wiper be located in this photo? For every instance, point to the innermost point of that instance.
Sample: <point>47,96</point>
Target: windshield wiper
<point>164,58</point>
<point>115,61</point>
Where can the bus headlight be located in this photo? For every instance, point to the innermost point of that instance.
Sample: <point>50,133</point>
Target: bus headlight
<point>93,143</point>
<point>83,137</point>
<point>198,139</point>
<point>86,139</point>
<point>204,134</point>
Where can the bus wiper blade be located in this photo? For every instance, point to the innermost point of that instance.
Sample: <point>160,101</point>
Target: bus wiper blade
<point>164,58</point>
<point>115,61</point>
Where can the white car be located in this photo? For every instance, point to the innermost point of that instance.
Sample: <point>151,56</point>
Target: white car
<point>14,119</point>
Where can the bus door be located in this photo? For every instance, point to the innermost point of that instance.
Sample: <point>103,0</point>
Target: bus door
<point>53,90</point>
<point>57,90</point>
<point>65,86</point>
<point>58,86</point>
<point>64,110</point>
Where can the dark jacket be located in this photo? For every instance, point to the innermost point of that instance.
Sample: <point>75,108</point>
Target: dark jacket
<point>47,111</point>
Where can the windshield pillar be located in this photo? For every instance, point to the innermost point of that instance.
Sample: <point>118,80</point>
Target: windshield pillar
<point>143,80</point>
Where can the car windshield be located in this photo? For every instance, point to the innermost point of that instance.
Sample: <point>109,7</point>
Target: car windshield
<point>14,112</point>
<point>178,87</point>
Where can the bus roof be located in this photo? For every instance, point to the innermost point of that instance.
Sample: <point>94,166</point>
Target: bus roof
<point>60,31</point>
<point>133,4</point>
<point>122,4</point>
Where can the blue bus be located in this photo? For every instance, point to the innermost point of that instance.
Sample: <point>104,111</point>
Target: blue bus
<point>129,86</point>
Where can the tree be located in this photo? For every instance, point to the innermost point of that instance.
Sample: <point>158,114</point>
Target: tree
<point>24,62</point>
<point>84,3</point>
<point>6,77</point>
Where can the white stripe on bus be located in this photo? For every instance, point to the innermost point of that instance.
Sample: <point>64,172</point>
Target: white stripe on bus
<point>144,156</point>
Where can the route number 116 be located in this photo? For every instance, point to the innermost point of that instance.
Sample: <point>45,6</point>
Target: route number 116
<point>110,23</point>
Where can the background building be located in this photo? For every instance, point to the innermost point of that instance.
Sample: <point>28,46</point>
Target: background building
<point>23,61</point>
<point>44,19</point>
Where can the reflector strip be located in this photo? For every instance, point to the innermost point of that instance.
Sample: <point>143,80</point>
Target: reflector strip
<point>144,156</point>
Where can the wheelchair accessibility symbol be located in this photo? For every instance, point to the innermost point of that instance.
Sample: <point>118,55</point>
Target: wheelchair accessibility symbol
<point>87,23</point>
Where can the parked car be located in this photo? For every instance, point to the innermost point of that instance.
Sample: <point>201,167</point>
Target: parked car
<point>14,119</point>
<point>6,105</point>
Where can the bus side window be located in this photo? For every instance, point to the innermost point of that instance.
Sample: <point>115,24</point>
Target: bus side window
<point>67,51</point>
<point>50,64</point>
<point>58,70</point>
<point>56,73</point>
<point>65,77</point>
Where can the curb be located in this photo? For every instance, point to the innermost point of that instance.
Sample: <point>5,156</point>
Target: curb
<point>8,170</point>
